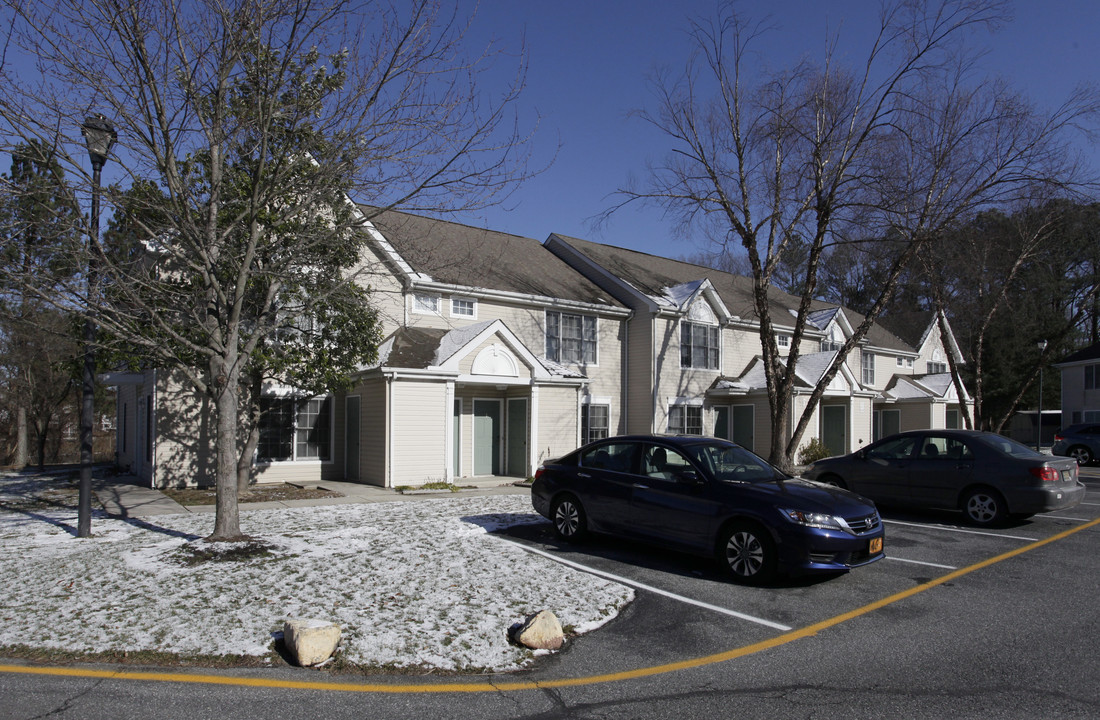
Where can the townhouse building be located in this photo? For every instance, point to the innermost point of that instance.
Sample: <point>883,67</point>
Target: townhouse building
<point>501,351</point>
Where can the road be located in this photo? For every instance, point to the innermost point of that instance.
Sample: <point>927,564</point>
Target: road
<point>955,622</point>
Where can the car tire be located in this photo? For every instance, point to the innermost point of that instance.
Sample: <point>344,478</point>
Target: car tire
<point>833,480</point>
<point>984,507</point>
<point>569,519</point>
<point>747,553</point>
<point>1081,454</point>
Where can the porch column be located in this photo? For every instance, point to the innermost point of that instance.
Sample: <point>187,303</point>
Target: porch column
<point>449,432</point>
<point>533,444</point>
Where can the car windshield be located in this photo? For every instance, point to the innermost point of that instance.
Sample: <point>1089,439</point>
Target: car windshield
<point>730,463</point>
<point>1009,447</point>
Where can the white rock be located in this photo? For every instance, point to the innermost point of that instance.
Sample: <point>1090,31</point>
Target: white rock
<point>540,631</point>
<point>310,642</point>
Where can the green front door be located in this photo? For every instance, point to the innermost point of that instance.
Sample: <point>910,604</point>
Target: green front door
<point>487,437</point>
<point>517,437</point>
<point>834,428</point>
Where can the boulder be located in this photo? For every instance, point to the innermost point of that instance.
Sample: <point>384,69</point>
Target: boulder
<point>540,631</point>
<point>310,642</point>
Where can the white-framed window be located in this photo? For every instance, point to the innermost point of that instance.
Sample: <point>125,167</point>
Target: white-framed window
<point>782,340</point>
<point>595,421</point>
<point>426,303</point>
<point>901,361</point>
<point>292,429</point>
<point>463,307</point>
<point>698,345</point>
<point>867,364</point>
<point>685,419</point>
<point>1092,377</point>
<point>935,368</point>
<point>570,338</point>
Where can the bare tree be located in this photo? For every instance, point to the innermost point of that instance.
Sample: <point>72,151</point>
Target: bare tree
<point>901,148</point>
<point>253,121</point>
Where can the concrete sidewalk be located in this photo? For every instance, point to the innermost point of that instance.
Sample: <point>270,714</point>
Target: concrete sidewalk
<point>122,496</point>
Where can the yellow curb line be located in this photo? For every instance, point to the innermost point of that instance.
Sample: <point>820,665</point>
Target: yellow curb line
<point>783,639</point>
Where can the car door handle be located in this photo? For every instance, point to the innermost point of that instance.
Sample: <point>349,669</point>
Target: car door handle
<point>584,475</point>
<point>639,486</point>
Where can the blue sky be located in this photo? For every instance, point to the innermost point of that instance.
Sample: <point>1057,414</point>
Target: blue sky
<point>588,63</point>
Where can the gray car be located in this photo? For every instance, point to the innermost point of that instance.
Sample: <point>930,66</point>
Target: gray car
<point>1080,442</point>
<point>987,476</point>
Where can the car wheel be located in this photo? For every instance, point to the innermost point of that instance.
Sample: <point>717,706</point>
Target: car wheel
<point>1081,454</point>
<point>833,480</point>
<point>747,552</point>
<point>984,506</point>
<point>570,521</point>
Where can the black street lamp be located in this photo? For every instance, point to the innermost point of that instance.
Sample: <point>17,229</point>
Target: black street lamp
<point>99,135</point>
<point>1042,345</point>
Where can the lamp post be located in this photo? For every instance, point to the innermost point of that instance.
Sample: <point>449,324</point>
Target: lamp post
<point>1042,345</point>
<point>99,135</point>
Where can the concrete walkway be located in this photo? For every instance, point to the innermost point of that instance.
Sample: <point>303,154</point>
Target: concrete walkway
<point>122,496</point>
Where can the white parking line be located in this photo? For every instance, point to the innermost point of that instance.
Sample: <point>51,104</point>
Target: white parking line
<point>918,562</point>
<point>960,530</point>
<point>650,588</point>
<point>1063,517</point>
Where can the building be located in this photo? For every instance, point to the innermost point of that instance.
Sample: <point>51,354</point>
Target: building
<point>501,351</point>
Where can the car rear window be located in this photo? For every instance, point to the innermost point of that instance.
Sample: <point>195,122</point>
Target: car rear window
<point>617,457</point>
<point>1008,447</point>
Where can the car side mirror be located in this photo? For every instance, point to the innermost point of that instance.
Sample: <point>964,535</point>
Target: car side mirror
<point>689,477</point>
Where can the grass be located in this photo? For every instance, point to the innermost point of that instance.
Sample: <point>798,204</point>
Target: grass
<point>256,493</point>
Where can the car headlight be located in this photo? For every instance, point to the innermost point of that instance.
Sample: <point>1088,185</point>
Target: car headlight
<point>815,520</point>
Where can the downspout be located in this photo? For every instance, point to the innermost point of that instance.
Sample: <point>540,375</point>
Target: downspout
<point>389,431</point>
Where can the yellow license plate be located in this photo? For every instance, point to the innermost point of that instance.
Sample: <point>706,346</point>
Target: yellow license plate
<point>876,545</point>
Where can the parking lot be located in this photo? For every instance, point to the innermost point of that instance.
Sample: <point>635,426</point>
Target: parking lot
<point>921,548</point>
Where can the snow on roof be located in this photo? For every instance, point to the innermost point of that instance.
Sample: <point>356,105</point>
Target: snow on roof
<point>678,296</point>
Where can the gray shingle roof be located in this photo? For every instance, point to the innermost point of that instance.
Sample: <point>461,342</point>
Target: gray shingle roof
<point>457,254</point>
<point>652,275</point>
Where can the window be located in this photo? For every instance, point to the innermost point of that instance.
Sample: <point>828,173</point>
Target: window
<point>945,448</point>
<point>594,422</point>
<point>937,367</point>
<point>698,346</point>
<point>782,340</point>
<point>570,338</point>
<point>663,463</point>
<point>295,430</point>
<point>829,345</point>
<point>616,457</point>
<point>426,304</point>
<point>463,307</point>
<point>685,420</point>
<point>867,362</point>
<point>313,429</point>
<point>1092,377</point>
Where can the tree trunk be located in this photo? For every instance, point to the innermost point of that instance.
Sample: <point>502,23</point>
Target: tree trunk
<point>227,520</point>
<point>20,460</point>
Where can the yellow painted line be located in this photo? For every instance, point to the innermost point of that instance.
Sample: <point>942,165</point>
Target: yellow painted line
<point>473,687</point>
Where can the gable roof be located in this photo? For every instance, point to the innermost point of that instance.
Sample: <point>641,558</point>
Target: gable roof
<point>438,349</point>
<point>653,276</point>
<point>448,253</point>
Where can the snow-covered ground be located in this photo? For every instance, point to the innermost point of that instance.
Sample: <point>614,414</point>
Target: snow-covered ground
<point>420,583</point>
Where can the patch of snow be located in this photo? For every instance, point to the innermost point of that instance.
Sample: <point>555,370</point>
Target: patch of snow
<point>421,583</point>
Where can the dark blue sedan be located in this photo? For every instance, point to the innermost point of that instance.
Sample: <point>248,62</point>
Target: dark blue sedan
<point>708,497</point>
